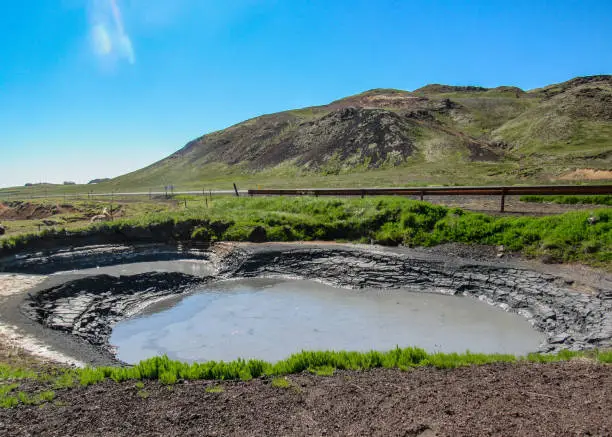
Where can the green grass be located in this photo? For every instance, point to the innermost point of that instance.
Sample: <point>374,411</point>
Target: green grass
<point>75,213</point>
<point>570,200</point>
<point>15,373</point>
<point>10,398</point>
<point>214,389</point>
<point>8,401</point>
<point>64,380</point>
<point>381,220</point>
<point>323,363</point>
<point>322,370</point>
<point>281,383</point>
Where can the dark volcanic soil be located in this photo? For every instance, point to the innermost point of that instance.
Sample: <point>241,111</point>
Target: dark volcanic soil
<point>526,399</point>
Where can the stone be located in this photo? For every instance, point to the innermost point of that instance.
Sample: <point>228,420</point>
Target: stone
<point>559,338</point>
<point>258,235</point>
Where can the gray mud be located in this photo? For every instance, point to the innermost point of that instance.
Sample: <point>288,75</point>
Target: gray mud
<point>269,319</point>
<point>76,315</point>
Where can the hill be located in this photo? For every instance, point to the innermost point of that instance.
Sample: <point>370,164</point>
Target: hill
<point>435,134</point>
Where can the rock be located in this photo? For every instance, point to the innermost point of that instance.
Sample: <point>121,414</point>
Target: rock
<point>559,338</point>
<point>2,230</point>
<point>258,235</point>
<point>592,220</point>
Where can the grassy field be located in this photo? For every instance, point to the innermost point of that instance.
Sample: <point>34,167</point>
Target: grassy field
<point>74,212</point>
<point>221,177</point>
<point>15,380</point>
<point>584,236</point>
<point>570,200</point>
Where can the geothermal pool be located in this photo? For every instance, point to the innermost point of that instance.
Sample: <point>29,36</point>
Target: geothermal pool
<point>270,319</point>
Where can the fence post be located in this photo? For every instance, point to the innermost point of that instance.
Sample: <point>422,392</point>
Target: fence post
<point>236,190</point>
<point>503,200</point>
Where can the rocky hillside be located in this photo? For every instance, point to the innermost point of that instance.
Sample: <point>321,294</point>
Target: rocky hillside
<point>543,132</point>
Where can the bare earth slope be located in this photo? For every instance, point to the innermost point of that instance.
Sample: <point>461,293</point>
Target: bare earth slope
<point>544,133</point>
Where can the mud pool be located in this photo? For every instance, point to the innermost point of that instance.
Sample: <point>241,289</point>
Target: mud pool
<point>270,319</point>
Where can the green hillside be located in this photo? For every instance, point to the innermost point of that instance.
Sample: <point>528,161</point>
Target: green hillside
<point>437,134</point>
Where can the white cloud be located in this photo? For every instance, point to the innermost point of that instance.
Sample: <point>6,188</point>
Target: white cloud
<point>101,41</point>
<point>108,35</point>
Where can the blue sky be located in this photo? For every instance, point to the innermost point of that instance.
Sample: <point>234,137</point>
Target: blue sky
<point>97,88</point>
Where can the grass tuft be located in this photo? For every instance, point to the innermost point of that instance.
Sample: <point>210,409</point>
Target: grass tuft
<point>322,370</point>
<point>214,389</point>
<point>281,383</point>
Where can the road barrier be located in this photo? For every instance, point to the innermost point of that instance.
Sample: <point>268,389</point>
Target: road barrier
<point>501,191</point>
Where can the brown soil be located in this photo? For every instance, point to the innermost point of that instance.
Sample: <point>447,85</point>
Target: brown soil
<point>526,399</point>
<point>21,210</point>
<point>588,174</point>
<point>31,211</point>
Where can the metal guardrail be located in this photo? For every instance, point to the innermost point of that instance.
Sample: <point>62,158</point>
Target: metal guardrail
<point>502,191</point>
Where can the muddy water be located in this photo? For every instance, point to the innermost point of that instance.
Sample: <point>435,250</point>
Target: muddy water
<point>270,319</point>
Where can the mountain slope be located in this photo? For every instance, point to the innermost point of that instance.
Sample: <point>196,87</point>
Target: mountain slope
<point>513,134</point>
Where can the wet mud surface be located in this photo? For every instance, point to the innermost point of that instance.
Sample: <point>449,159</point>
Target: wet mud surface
<point>76,314</point>
<point>571,398</point>
<point>269,319</point>
<point>571,319</point>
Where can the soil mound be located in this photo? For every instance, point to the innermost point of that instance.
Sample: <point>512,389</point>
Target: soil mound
<point>19,210</point>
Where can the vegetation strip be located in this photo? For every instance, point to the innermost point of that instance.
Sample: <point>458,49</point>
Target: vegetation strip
<point>322,363</point>
<point>584,236</point>
<point>570,200</point>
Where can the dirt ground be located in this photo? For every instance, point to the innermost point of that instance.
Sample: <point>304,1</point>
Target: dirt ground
<point>590,174</point>
<point>32,211</point>
<point>563,399</point>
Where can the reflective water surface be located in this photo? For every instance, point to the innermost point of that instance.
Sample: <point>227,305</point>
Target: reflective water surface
<point>187,266</point>
<point>270,319</point>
